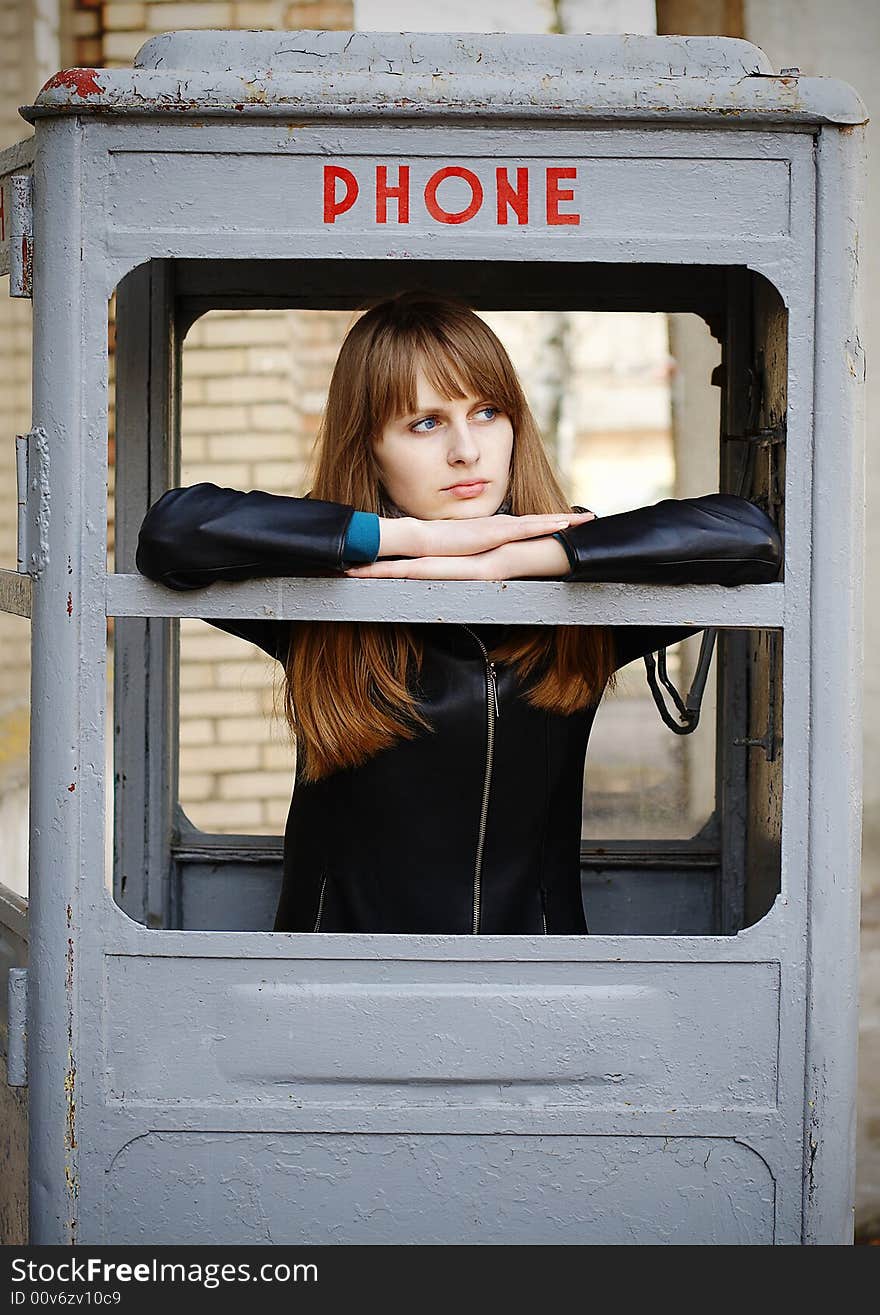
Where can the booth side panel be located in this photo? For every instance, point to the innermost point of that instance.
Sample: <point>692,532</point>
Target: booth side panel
<point>68,680</point>
<point>836,698</point>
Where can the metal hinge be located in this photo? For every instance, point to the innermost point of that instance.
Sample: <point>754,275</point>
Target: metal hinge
<point>770,742</point>
<point>16,1053</point>
<point>32,484</point>
<point>769,439</point>
<point>17,233</point>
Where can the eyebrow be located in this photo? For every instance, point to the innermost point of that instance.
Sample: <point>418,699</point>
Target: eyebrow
<point>441,410</point>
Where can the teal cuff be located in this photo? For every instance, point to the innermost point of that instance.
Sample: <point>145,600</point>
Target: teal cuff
<point>361,538</point>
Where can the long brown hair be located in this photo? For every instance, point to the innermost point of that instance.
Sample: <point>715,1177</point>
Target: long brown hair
<point>347,689</point>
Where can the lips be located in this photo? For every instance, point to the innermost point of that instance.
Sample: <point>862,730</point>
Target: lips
<point>467,484</point>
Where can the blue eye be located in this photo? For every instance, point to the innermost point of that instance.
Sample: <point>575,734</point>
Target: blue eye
<point>432,421</point>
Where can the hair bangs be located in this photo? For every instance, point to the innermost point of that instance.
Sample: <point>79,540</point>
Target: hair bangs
<point>453,358</point>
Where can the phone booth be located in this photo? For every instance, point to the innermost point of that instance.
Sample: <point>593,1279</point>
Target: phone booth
<point>193,1076</point>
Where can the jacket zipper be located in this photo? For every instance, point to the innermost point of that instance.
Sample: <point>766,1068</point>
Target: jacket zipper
<point>491,698</point>
<point>543,910</point>
<point>321,903</point>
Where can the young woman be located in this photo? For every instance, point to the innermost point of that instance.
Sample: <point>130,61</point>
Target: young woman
<point>439,767</point>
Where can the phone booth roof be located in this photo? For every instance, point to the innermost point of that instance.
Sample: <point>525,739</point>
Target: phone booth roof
<point>318,73</point>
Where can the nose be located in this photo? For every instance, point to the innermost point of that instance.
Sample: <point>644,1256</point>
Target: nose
<point>463,444</point>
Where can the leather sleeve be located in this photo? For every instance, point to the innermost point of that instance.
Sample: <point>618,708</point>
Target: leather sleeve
<point>715,539</point>
<point>273,637</point>
<point>194,535</point>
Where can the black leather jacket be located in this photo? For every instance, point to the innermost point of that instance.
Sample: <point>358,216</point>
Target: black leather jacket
<point>476,826</point>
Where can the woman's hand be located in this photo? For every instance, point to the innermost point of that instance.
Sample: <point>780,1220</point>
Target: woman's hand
<point>432,539</point>
<point>531,558</point>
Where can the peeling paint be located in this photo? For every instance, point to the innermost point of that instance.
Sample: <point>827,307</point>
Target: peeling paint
<point>71,1173</point>
<point>81,81</point>
<point>27,263</point>
<point>38,482</point>
<point>592,77</point>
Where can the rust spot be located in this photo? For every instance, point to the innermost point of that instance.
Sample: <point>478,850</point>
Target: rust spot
<point>27,263</point>
<point>70,1076</point>
<point>70,604</point>
<point>71,788</point>
<point>81,80</point>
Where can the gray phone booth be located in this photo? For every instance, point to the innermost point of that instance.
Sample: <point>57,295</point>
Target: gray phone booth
<point>193,1076</point>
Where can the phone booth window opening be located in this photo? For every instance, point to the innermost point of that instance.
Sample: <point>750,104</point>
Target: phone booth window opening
<point>634,405</point>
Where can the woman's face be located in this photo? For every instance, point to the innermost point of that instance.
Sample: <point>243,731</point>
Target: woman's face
<point>444,443</point>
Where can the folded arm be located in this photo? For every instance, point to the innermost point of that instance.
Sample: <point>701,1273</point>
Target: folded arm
<point>718,538</point>
<point>194,535</point>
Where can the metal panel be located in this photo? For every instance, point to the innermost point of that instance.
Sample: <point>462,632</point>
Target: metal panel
<point>407,1188</point>
<point>269,221</point>
<point>600,1036</point>
<point>234,888</point>
<point>528,602</point>
<point>726,197</point>
<point>650,900</point>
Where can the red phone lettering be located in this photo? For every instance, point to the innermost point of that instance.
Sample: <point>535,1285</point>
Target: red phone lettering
<point>555,194</point>
<point>516,198</point>
<point>384,193</point>
<point>436,211</point>
<point>334,173</point>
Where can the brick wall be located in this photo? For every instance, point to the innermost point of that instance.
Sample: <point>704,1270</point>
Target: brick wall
<point>253,386</point>
<point>124,25</point>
